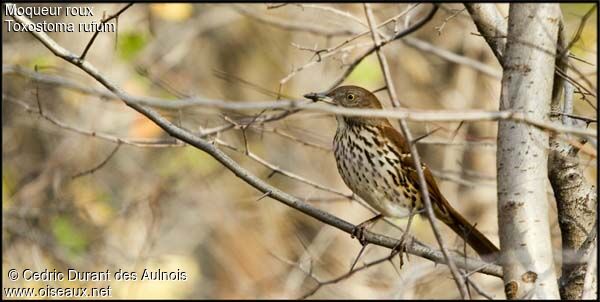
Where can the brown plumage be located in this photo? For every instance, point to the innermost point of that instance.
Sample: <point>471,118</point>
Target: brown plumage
<point>374,161</point>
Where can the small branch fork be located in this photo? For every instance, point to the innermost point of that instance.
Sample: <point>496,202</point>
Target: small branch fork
<point>103,21</point>
<point>396,36</point>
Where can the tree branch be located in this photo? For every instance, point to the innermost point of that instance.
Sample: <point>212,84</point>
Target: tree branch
<point>460,282</point>
<point>294,105</point>
<point>491,25</point>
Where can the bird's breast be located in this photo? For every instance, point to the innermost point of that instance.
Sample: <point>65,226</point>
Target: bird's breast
<point>370,166</point>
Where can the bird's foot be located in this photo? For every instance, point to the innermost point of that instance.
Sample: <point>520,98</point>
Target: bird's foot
<point>359,231</point>
<point>400,249</point>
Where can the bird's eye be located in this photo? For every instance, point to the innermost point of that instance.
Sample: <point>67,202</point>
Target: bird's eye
<point>351,97</point>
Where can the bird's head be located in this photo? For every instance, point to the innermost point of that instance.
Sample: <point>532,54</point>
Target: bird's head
<point>348,96</point>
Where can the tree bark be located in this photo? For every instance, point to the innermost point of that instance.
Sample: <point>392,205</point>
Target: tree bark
<point>490,24</point>
<point>528,61</point>
<point>576,199</point>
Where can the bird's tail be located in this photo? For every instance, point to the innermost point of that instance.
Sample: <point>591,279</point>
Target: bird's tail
<point>478,241</point>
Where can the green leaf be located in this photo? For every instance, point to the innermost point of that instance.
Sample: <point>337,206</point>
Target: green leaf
<point>68,235</point>
<point>367,74</point>
<point>130,44</point>
<point>42,61</point>
<point>186,159</point>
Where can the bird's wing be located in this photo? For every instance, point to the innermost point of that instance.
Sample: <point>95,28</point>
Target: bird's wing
<point>406,160</point>
<point>446,213</point>
<point>395,137</point>
<point>435,195</point>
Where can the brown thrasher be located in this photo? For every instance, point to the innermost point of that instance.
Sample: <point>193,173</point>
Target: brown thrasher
<point>374,161</point>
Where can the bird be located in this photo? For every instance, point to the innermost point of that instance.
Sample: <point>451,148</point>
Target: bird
<point>375,162</point>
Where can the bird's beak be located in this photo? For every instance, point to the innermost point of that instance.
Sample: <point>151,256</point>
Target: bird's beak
<point>320,97</point>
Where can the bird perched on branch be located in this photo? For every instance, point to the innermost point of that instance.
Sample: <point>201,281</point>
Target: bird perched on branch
<point>374,161</point>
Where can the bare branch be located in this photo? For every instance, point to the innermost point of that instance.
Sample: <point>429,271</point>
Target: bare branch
<point>281,171</point>
<point>293,106</point>
<point>577,35</point>
<point>103,21</point>
<point>118,140</point>
<point>490,24</point>
<point>56,80</point>
<point>479,289</point>
<point>460,282</point>
<point>347,275</point>
<point>290,25</point>
<point>272,6</point>
<point>100,165</point>
<point>396,36</point>
<point>440,28</point>
<point>452,57</point>
<point>410,41</point>
<point>293,138</point>
<point>338,12</point>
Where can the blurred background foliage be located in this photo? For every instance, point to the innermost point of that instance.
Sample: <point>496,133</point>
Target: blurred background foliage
<point>177,208</point>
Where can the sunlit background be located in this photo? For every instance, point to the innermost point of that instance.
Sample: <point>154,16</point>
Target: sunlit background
<point>74,200</point>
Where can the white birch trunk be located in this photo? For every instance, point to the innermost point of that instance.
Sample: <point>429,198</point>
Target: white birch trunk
<point>528,62</point>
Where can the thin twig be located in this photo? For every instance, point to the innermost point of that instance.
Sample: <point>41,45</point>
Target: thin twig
<point>334,11</point>
<point>103,21</point>
<point>577,117</point>
<point>396,36</point>
<point>453,15</point>
<point>100,165</point>
<point>491,25</point>
<point>293,138</point>
<point>346,275</point>
<point>276,5</point>
<point>103,136</point>
<point>453,57</point>
<point>294,106</point>
<point>479,290</point>
<point>460,282</point>
<point>577,35</point>
<point>291,25</point>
